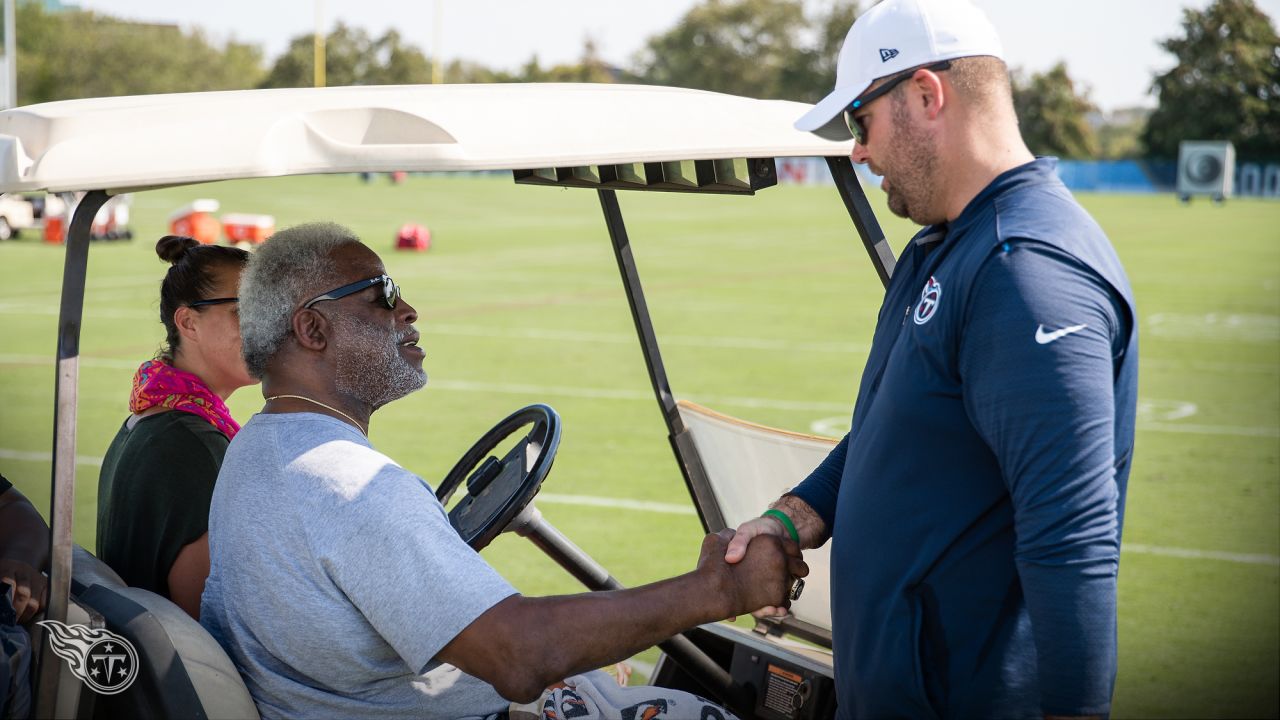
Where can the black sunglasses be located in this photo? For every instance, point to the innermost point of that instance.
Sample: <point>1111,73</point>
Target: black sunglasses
<point>856,128</point>
<point>390,291</point>
<point>213,301</point>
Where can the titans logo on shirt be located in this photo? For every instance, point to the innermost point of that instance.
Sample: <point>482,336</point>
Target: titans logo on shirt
<point>929,299</point>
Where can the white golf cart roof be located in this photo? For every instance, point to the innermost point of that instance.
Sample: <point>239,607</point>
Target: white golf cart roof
<point>126,143</point>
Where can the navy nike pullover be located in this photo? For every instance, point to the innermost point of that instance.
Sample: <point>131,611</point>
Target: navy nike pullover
<point>975,507</point>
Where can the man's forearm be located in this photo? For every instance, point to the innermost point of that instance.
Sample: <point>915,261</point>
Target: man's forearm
<point>546,639</point>
<point>599,634</point>
<point>555,637</point>
<point>809,525</point>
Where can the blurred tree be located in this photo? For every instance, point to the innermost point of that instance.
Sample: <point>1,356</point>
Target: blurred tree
<point>758,48</point>
<point>590,68</point>
<point>398,63</point>
<point>77,54</point>
<point>352,57</point>
<point>1053,116</point>
<point>531,71</point>
<point>466,71</point>
<point>1226,85</point>
<point>832,26</point>
<point>1120,133</point>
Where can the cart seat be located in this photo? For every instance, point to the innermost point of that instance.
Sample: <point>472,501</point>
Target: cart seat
<point>184,672</point>
<point>748,466</point>
<point>89,570</point>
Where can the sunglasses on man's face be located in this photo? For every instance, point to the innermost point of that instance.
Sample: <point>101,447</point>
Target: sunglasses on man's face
<point>856,126</point>
<point>390,291</point>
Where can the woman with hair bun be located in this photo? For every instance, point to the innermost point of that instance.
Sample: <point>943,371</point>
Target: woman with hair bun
<point>158,474</point>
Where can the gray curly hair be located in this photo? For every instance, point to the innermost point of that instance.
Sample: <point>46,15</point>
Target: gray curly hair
<point>293,265</point>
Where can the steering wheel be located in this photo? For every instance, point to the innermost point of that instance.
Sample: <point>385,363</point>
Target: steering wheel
<point>497,490</point>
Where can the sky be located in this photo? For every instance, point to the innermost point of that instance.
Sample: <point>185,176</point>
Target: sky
<point>1109,45</point>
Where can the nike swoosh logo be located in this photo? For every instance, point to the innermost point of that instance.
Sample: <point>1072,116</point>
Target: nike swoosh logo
<point>1044,338</point>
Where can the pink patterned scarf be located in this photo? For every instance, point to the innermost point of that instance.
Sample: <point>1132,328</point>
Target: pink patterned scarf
<point>159,383</point>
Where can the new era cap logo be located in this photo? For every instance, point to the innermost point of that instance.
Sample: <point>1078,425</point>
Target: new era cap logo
<point>887,54</point>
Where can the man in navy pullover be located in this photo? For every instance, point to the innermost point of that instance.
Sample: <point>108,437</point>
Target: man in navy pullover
<point>975,507</point>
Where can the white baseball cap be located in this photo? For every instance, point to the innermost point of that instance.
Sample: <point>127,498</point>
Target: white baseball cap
<point>893,36</point>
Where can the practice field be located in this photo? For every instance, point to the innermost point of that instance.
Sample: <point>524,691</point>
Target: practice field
<point>764,307</point>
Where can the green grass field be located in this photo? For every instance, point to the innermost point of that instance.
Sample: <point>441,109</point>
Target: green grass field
<point>765,308</point>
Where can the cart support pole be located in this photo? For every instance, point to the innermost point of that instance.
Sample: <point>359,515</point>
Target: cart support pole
<point>855,201</point>
<point>695,476</point>
<point>62,502</point>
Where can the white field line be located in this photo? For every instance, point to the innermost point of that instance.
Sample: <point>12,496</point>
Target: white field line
<point>566,336</point>
<point>643,396</point>
<point>1193,429</point>
<point>570,336</point>
<point>508,388</point>
<point>1245,558</point>
<point>55,287</point>
<point>44,457</point>
<point>685,509</point>
<point>742,343</point>
<point>1207,366</point>
<point>674,509</point>
<point>85,361</point>
<point>619,503</point>
<point>612,394</point>
<point>9,308</point>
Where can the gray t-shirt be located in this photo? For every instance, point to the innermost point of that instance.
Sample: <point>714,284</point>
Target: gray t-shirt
<point>336,578</point>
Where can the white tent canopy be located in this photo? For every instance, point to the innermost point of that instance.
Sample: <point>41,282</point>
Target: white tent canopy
<point>126,143</point>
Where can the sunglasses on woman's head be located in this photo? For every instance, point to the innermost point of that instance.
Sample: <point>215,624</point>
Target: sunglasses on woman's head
<point>213,301</point>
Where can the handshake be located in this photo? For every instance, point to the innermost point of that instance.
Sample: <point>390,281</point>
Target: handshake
<point>752,570</point>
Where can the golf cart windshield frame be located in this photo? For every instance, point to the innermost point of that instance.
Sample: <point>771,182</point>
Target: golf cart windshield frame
<point>687,458</point>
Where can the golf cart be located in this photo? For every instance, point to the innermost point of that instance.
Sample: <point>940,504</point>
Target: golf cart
<point>655,139</point>
<point>16,214</point>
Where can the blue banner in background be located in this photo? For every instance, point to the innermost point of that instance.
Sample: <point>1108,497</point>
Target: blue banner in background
<point>1107,176</point>
<point>1126,176</point>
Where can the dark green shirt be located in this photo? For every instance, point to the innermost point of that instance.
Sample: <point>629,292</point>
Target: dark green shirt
<point>153,494</point>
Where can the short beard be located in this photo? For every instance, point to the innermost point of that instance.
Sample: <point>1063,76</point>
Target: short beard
<point>370,367</point>
<point>911,187</point>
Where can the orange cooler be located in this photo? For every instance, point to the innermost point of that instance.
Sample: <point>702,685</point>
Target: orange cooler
<point>196,220</point>
<point>247,227</point>
<point>55,230</point>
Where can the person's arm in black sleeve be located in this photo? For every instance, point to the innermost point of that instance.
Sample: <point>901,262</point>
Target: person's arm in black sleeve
<point>820,490</point>
<point>185,542</point>
<point>1037,367</point>
<point>24,550</point>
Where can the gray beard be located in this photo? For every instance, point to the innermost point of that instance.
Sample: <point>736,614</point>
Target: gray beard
<point>370,367</point>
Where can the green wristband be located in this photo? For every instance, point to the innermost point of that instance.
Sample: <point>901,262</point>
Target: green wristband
<point>786,522</point>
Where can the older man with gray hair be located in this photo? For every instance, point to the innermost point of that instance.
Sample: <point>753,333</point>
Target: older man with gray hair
<point>337,584</point>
